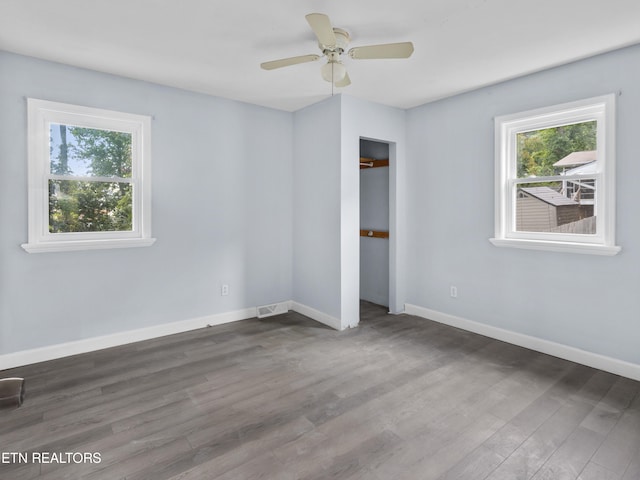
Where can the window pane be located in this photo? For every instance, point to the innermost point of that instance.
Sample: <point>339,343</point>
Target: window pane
<point>557,150</point>
<point>557,207</point>
<point>89,152</point>
<point>76,206</point>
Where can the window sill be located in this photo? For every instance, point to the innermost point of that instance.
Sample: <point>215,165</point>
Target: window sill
<point>567,247</point>
<point>77,245</point>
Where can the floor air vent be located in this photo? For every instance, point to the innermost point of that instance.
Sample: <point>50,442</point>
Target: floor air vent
<point>271,310</point>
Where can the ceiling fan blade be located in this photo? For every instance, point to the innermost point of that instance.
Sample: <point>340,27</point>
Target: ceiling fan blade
<point>321,26</point>
<point>345,82</point>
<point>285,62</point>
<point>387,50</point>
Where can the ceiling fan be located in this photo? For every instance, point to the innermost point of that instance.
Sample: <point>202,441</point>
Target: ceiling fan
<point>333,42</point>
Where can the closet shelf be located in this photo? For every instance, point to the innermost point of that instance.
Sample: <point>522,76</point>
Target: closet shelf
<point>373,163</point>
<point>374,233</point>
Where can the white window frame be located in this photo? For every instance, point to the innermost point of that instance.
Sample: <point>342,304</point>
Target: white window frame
<point>43,113</point>
<point>507,127</point>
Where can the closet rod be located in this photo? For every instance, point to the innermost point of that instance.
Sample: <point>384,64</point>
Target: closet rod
<point>373,163</point>
<point>374,233</point>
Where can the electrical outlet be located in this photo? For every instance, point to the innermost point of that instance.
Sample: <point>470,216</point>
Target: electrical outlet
<point>454,291</point>
<point>224,290</point>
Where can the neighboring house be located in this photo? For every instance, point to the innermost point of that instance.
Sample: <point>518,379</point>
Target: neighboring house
<point>575,163</point>
<point>576,158</point>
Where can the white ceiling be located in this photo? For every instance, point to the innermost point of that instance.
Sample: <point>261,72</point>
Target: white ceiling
<point>215,46</point>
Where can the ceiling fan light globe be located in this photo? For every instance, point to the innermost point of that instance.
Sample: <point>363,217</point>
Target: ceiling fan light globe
<point>333,71</point>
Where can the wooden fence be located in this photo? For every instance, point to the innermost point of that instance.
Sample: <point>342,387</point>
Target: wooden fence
<point>584,226</point>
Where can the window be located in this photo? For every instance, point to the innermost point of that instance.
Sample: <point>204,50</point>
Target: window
<point>555,178</point>
<point>89,178</point>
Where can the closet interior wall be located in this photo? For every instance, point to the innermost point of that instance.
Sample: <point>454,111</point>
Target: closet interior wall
<point>374,216</point>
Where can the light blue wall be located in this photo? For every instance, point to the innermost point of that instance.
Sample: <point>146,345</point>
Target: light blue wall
<point>374,215</point>
<point>584,301</point>
<point>222,213</point>
<point>316,207</point>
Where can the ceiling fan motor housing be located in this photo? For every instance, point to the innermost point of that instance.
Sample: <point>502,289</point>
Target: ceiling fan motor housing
<point>342,40</point>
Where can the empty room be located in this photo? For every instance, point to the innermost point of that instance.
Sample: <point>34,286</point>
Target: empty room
<point>319,240</point>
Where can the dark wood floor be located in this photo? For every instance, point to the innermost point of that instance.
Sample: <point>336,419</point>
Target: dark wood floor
<point>286,398</point>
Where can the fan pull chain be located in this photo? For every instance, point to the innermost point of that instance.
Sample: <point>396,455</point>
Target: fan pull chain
<point>332,79</point>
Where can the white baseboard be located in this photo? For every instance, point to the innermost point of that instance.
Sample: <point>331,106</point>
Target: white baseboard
<point>51,352</point>
<point>595,360</point>
<point>316,315</point>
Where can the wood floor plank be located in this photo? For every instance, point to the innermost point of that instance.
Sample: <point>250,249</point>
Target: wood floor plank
<point>571,457</point>
<point>208,466</point>
<point>622,444</point>
<point>632,472</point>
<point>608,411</point>
<point>476,465</point>
<point>450,448</point>
<point>354,461</point>
<point>545,438</point>
<point>593,471</point>
<point>288,398</point>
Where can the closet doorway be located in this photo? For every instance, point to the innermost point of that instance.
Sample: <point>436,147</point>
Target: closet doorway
<point>374,222</point>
